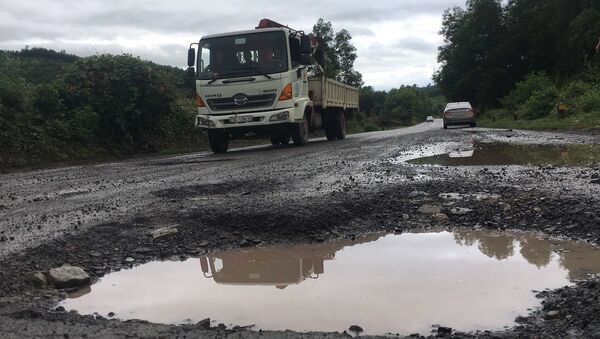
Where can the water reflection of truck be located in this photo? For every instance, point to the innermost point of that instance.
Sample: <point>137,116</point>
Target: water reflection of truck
<point>278,267</point>
<point>256,83</point>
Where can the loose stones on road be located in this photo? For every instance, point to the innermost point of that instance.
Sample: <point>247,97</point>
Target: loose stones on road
<point>163,232</point>
<point>460,211</point>
<point>38,279</point>
<point>68,276</point>
<point>430,209</point>
<point>440,217</point>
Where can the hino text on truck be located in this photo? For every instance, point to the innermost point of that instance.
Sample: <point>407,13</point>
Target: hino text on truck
<point>256,83</point>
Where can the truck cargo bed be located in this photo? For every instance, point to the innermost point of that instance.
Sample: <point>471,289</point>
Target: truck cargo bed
<point>329,93</point>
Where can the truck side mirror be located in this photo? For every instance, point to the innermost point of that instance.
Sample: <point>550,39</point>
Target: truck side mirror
<point>306,59</point>
<point>191,57</point>
<point>305,44</point>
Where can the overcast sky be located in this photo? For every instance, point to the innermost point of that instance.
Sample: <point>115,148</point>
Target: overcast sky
<point>397,40</point>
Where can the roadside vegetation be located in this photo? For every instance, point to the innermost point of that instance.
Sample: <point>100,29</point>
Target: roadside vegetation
<point>58,107</point>
<point>524,63</point>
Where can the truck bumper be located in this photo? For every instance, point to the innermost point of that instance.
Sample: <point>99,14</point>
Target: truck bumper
<point>255,119</point>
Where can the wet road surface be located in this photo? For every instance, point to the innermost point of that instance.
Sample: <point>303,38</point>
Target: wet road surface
<point>109,217</point>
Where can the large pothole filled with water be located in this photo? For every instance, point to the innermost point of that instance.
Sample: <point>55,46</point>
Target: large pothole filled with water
<point>465,279</point>
<point>495,154</point>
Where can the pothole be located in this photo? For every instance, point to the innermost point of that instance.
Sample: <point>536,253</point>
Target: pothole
<point>465,279</point>
<point>490,154</point>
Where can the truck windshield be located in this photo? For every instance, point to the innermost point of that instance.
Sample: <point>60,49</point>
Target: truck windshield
<point>242,55</point>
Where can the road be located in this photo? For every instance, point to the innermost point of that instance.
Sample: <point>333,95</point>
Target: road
<point>36,206</point>
<point>95,216</point>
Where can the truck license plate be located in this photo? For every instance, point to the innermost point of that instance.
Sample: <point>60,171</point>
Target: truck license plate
<point>236,119</point>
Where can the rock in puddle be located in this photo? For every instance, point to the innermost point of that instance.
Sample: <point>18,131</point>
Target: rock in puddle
<point>68,276</point>
<point>356,329</point>
<point>444,330</point>
<point>204,323</point>
<point>163,232</point>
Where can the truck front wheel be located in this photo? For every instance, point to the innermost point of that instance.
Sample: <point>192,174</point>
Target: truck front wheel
<point>300,132</point>
<point>218,140</point>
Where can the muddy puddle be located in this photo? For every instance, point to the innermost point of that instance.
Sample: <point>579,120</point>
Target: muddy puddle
<point>490,154</point>
<point>387,284</point>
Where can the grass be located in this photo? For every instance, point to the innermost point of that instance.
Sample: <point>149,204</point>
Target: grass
<point>579,122</point>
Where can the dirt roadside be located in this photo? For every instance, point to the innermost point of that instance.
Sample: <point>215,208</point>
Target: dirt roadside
<point>96,216</point>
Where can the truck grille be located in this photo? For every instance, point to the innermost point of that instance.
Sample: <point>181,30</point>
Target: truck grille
<point>254,101</point>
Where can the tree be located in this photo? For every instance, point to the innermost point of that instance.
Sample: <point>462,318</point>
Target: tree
<point>489,47</point>
<point>471,58</point>
<point>339,53</point>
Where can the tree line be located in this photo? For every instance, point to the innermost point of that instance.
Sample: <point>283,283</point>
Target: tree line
<point>400,106</point>
<point>525,56</point>
<point>378,109</point>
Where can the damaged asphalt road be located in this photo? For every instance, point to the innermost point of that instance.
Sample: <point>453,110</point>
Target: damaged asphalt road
<point>112,216</point>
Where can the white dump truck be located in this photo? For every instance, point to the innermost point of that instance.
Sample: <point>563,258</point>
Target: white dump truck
<point>256,84</point>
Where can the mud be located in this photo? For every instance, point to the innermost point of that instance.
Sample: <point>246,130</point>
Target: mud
<point>281,196</point>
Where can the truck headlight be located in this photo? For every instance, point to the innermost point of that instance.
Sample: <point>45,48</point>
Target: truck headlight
<point>205,122</point>
<point>280,116</point>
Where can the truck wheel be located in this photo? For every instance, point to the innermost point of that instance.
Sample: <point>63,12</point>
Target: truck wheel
<point>218,140</point>
<point>340,126</point>
<point>330,131</point>
<point>300,132</point>
<point>275,141</point>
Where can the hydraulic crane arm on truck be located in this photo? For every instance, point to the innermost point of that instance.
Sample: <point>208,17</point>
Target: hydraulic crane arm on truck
<point>255,83</point>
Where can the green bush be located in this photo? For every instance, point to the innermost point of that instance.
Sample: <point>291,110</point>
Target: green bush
<point>589,101</point>
<point>85,107</point>
<point>533,97</point>
<point>541,103</point>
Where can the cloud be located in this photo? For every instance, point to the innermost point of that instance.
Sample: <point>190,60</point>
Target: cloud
<point>396,40</point>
